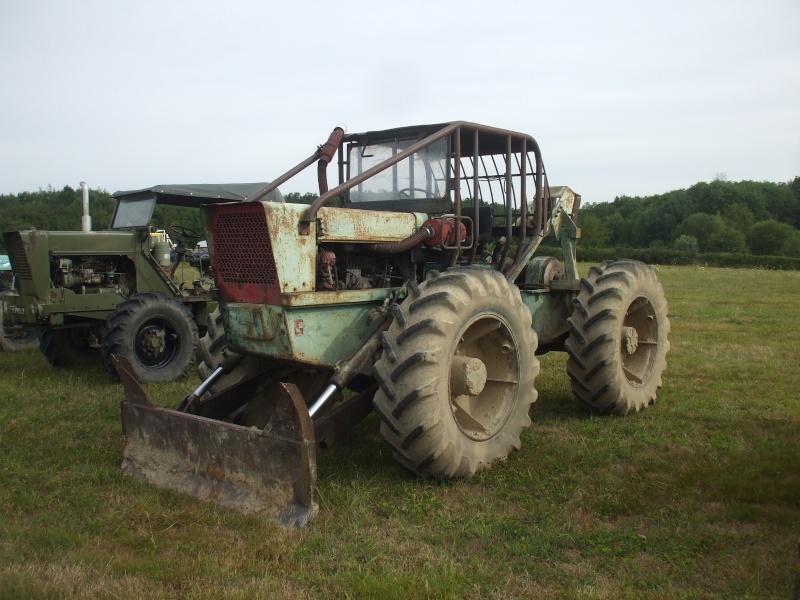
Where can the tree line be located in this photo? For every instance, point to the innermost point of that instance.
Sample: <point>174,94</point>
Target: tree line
<point>744,217</point>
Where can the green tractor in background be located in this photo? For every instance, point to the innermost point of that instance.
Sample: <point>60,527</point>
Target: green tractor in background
<point>126,291</point>
<point>11,337</point>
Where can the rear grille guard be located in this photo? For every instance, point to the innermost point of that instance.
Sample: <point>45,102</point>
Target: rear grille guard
<point>19,260</point>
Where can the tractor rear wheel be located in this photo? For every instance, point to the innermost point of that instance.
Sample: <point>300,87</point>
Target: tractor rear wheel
<point>70,346</point>
<point>457,374</point>
<point>617,343</point>
<point>156,333</point>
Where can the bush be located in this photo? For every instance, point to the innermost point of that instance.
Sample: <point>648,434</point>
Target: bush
<point>687,243</point>
<point>670,256</point>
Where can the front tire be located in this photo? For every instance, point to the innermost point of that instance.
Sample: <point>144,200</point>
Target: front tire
<point>71,346</point>
<point>457,374</point>
<point>617,343</point>
<point>156,333</point>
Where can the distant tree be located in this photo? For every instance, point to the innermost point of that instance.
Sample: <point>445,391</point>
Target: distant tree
<point>785,202</point>
<point>653,224</point>
<point>298,198</point>
<point>767,238</point>
<point>594,232</point>
<point>621,230</point>
<point>794,185</point>
<point>700,226</point>
<point>792,245</point>
<point>687,243</point>
<point>725,238</point>
<point>739,217</point>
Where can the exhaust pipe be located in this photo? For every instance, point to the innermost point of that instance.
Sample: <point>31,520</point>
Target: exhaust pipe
<point>86,220</point>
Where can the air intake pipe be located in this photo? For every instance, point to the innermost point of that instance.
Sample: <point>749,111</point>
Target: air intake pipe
<point>412,241</point>
<point>326,153</point>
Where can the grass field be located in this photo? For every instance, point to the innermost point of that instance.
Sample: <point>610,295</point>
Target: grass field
<point>697,497</point>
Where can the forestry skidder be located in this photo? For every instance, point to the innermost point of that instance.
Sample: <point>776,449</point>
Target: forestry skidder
<point>416,284</point>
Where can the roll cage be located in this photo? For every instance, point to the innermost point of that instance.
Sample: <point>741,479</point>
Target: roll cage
<point>491,179</point>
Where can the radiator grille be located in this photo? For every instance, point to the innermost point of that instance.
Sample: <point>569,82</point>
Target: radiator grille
<point>19,261</point>
<point>243,260</point>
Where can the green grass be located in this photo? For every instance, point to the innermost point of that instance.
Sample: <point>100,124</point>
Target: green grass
<point>697,497</point>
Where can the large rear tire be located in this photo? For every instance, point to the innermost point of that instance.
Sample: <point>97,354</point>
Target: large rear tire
<point>617,343</point>
<point>64,348</point>
<point>156,333</point>
<point>457,374</point>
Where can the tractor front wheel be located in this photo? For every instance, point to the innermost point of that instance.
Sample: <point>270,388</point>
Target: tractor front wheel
<point>70,346</point>
<point>156,333</point>
<point>617,343</point>
<point>11,339</point>
<point>457,374</point>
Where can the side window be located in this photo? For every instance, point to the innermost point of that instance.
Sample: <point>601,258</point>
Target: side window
<point>133,213</point>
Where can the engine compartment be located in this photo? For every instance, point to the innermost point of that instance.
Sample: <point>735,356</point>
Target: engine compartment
<point>93,274</point>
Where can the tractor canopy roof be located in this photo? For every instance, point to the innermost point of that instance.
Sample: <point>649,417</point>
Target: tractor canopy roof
<point>135,207</point>
<point>195,195</point>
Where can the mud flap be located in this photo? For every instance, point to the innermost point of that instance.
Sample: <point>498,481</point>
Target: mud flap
<point>272,473</point>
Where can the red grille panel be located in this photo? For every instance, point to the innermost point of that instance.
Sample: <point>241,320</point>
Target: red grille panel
<point>243,260</point>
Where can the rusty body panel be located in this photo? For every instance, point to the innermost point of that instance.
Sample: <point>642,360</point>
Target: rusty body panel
<point>321,334</point>
<point>353,225</point>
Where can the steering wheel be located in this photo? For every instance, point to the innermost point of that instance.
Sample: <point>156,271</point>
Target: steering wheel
<point>185,232</point>
<point>406,193</point>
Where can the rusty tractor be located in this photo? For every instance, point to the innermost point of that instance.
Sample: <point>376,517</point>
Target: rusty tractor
<point>416,288</point>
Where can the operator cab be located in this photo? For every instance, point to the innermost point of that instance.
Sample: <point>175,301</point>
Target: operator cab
<point>418,183</point>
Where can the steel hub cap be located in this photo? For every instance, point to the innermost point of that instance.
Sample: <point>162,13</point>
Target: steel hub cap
<point>631,339</point>
<point>467,375</point>
<point>483,377</point>
<point>153,342</point>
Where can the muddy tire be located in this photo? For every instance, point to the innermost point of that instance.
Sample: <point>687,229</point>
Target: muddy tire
<point>10,339</point>
<point>617,343</point>
<point>156,333</point>
<point>214,349</point>
<point>64,348</point>
<point>457,374</point>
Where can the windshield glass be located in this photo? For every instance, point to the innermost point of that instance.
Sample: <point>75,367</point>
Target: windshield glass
<point>133,213</point>
<point>421,175</point>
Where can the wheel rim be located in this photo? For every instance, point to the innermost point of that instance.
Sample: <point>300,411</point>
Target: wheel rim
<point>639,341</point>
<point>484,377</point>
<point>157,343</point>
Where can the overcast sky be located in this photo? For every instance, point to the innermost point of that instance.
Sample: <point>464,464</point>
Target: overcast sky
<point>624,98</point>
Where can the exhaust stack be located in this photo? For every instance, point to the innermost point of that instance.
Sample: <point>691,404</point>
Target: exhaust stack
<point>86,220</point>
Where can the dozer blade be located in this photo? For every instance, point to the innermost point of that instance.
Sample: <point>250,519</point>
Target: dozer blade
<point>271,474</point>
